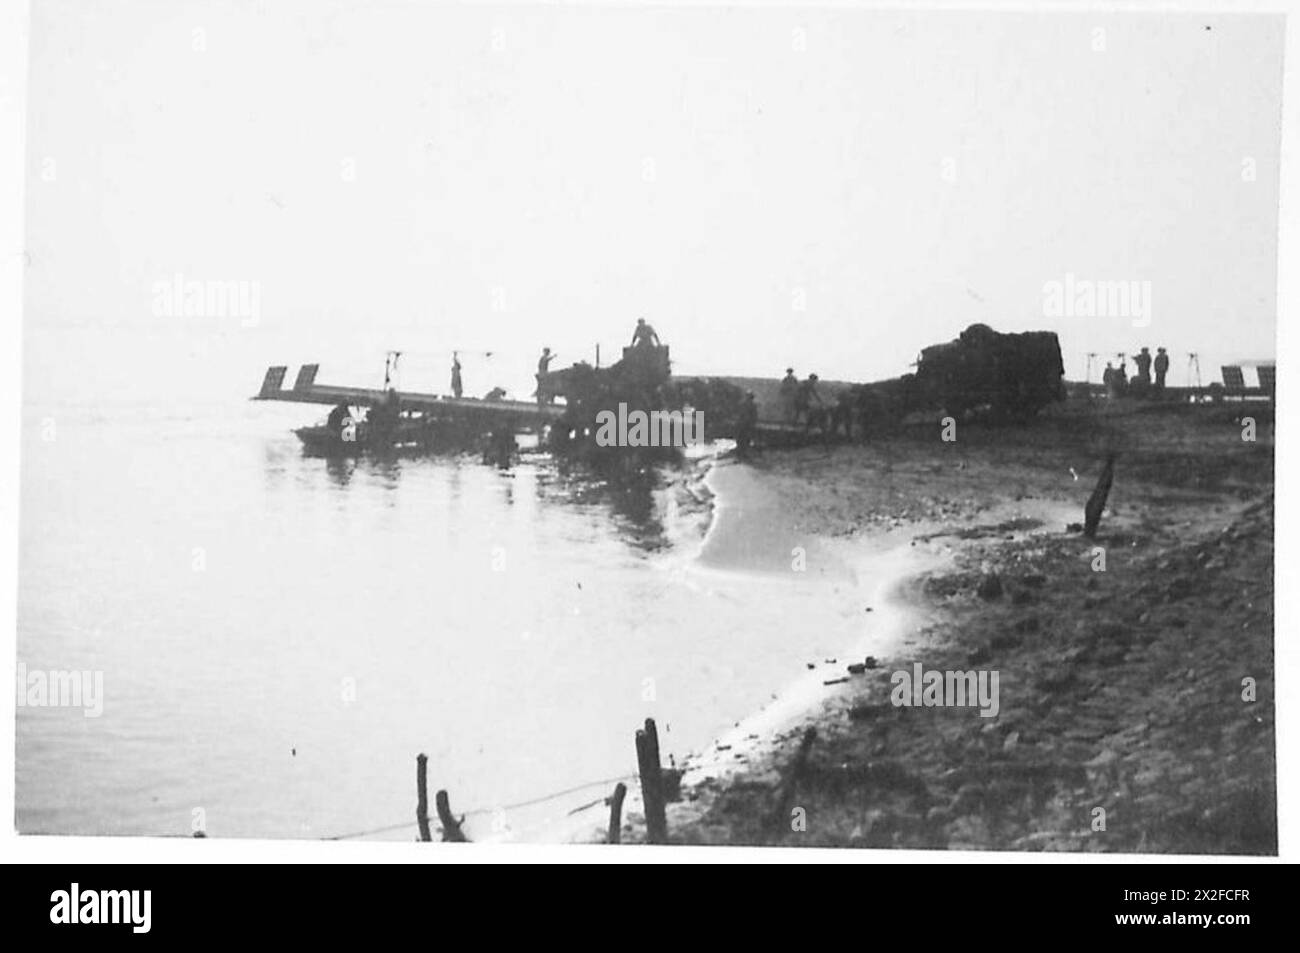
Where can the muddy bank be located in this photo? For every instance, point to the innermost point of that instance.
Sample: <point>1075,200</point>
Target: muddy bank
<point>837,600</point>
<point>862,583</point>
<point>1126,664</point>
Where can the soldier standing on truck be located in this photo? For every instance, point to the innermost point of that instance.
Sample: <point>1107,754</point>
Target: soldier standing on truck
<point>456,387</point>
<point>1162,368</point>
<point>644,335</point>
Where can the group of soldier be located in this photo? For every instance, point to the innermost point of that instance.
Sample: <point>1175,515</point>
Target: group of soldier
<point>499,393</point>
<point>1118,383</point>
<point>800,401</point>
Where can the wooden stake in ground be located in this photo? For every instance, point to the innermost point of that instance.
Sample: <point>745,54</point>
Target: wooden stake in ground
<point>422,796</point>
<point>616,813</point>
<point>450,826</point>
<point>647,756</point>
<point>1097,502</point>
<point>785,791</point>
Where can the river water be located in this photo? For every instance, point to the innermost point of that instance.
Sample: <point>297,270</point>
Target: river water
<point>281,635</point>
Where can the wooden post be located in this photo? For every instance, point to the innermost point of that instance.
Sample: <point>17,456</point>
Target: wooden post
<point>647,792</point>
<point>647,752</point>
<point>450,826</point>
<point>422,796</point>
<point>785,791</point>
<point>652,739</point>
<point>616,813</point>
<point>1097,502</point>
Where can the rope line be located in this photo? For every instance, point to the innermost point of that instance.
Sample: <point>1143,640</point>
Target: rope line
<point>547,797</point>
<point>482,811</point>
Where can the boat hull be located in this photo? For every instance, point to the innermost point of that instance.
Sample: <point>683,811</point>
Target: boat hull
<point>326,441</point>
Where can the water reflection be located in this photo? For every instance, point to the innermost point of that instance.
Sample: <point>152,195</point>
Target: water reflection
<point>454,481</point>
<point>388,469</point>
<point>633,500</point>
<point>340,470</point>
<point>633,494</point>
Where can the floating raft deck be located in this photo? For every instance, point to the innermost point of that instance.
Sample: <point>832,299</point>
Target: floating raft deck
<point>474,411</point>
<point>466,409</point>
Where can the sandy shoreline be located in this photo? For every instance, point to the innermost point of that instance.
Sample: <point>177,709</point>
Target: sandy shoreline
<point>721,513</point>
<point>885,562</point>
<point>1095,708</point>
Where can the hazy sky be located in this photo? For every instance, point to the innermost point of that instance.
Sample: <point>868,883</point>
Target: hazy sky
<point>832,189</point>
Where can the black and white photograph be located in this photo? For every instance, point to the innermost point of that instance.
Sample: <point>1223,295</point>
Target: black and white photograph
<point>695,429</point>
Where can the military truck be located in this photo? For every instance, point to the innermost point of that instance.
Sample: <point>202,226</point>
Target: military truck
<point>984,371</point>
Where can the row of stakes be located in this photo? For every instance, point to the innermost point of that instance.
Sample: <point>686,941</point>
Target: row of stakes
<point>654,795</point>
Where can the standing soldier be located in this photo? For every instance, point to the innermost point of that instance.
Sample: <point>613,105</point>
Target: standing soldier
<point>867,408</point>
<point>746,422</point>
<point>1142,382</point>
<point>1162,368</point>
<point>456,387</point>
<point>544,396</point>
<point>842,414</point>
<point>1143,361</point>
<point>805,398</point>
<point>789,395</point>
<point>384,417</point>
<point>340,419</point>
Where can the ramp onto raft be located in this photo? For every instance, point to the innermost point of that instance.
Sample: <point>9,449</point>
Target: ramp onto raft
<point>305,390</point>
